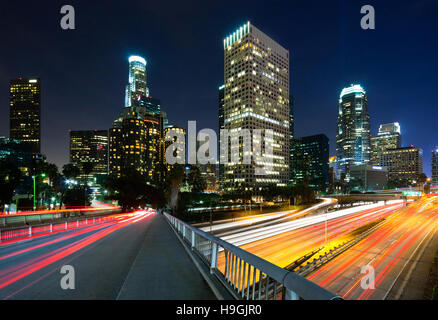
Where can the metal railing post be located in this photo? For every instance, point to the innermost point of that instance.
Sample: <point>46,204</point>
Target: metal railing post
<point>193,240</point>
<point>30,231</point>
<point>214,251</point>
<point>51,228</point>
<point>66,225</point>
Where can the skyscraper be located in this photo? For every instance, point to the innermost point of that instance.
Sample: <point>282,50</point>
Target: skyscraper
<point>388,137</point>
<point>25,111</point>
<point>221,96</point>
<point>404,165</point>
<point>291,133</point>
<point>137,80</point>
<point>310,161</point>
<point>435,167</point>
<point>256,96</point>
<point>353,132</point>
<point>135,140</point>
<point>90,146</point>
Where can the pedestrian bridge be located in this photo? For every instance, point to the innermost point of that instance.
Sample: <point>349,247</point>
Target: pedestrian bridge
<point>233,273</point>
<point>139,256</point>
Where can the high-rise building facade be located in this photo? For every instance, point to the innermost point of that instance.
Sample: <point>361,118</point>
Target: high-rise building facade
<point>221,126</point>
<point>90,146</point>
<point>435,167</point>
<point>353,132</point>
<point>291,133</point>
<point>366,177</point>
<point>404,165</point>
<point>209,172</point>
<point>25,111</point>
<point>179,144</point>
<point>135,140</point>
<point>388,137</point>
<point>256,96</point>
<point>137,80</point>
<point>310,161</point>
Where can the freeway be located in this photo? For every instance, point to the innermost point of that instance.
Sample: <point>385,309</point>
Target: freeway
<point>134,256</point>
<point>284,243</point>
<point>393,251</point>
<point>221,227</point>
<point>266,231</point>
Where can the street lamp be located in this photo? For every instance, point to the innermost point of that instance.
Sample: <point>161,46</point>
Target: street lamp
<point>43,175</point>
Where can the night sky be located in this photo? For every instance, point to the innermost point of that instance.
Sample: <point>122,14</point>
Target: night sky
<point>84,71</point>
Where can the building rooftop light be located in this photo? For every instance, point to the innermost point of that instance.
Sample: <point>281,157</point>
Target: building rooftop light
<point>357,88</point>
<point>137,59</point>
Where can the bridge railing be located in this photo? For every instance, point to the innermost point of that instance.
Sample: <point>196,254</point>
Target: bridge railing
<point>22,233</point>
<point>244,274</point>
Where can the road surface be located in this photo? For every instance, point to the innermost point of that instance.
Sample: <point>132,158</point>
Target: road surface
<point>135,257</point>
<point>393,251</point>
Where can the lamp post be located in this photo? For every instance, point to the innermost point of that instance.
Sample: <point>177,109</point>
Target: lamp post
<point>43,175</point>
<point>34,206</point>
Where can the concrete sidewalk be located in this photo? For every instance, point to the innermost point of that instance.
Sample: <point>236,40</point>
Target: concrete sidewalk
<point>162,269</point>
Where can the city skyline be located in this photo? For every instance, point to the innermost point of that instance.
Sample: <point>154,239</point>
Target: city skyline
<point>179,100</point>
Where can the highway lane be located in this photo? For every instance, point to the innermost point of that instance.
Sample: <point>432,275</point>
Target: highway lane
<point>392,251</point>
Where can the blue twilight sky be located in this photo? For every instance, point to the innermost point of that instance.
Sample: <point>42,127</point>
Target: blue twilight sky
<point>84,71</point>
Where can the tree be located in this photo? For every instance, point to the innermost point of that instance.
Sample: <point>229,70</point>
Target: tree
<point>87,169</point>
<point>50,170</point>
<point>132,191</point>
<point>174,179</point>
<point>70,171</point>
<point>76,196</point>
<point>422,178</point>
<point>10,177</point>
<point>195,180</point>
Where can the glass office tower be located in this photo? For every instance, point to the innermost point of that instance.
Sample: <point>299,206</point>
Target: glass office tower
<point>353,131</point>
<point>25,111</point>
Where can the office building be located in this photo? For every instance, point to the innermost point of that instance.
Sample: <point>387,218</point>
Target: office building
<point>388,137</point>
<point>221,126</point>
<point>210,174</point>
<point>136,86</point>
<point>180,144</point>
<point>91,147</point>
<point>310,161</point>
<point>256,96</point>
<point>404,165</point>
<point>435,167</point>
<point>20,154</point>
<point>135,140</point>
<point>368,178</point>
<point>353,131</point>
<point>291,131</point>
<point>25,111</point>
